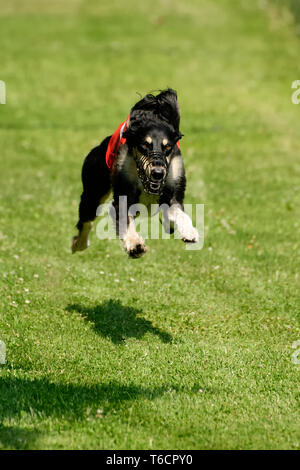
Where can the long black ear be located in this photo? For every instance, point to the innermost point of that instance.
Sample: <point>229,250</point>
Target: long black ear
<point>169,108</point>
<point>163,107</point>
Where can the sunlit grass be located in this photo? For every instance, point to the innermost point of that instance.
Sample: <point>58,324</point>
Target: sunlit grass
<point>179,349</point>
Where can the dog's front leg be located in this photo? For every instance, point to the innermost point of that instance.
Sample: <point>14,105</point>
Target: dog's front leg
<point>182,221</point>
<point>133,243</point>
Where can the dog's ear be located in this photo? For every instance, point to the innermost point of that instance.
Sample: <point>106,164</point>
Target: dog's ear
<point>140,115</point>
<point>169,108</point>
<point>178,136</point>
<point>163,107</point>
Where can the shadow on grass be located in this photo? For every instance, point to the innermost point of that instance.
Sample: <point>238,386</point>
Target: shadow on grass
<point>37,396</point>
<point>42,399</point>
<point>117,322</point>
<point>13,437</point>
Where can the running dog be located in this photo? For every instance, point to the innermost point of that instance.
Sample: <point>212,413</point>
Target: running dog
<point>141,160</point>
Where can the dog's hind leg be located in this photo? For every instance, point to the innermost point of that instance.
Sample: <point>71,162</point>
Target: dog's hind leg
<point>81,241</point>
<point>87,213</point>
<point>96,188</point>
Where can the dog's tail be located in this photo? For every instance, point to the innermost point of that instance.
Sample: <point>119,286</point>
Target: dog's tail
<point>163,106</point>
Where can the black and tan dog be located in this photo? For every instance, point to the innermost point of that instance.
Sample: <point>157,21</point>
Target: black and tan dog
<point>142,161</point>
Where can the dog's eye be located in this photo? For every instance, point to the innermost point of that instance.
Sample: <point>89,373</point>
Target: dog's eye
<point>143,147</point>
<point>167,147</point>
<point>146,146</point>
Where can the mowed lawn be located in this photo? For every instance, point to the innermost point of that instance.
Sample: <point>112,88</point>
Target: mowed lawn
<point>180,349</point>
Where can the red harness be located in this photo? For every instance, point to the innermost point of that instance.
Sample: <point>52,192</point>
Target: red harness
<point>115,143</point>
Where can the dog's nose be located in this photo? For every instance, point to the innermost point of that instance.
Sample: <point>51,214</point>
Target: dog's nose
<point>157,174</point>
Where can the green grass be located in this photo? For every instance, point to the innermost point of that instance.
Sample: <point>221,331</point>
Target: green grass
<point>195,353</point>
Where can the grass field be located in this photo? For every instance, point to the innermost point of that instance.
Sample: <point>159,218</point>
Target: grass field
<point>179,349</point>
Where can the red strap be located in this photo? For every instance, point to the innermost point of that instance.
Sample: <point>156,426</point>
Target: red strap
<point>114,143</point>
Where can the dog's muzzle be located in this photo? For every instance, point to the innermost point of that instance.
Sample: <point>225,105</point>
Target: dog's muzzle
<point>152,170</point>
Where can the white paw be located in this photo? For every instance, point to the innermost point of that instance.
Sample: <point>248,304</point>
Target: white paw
<point>79,244</point>
<point>135,247</point>
<point>190,235</point>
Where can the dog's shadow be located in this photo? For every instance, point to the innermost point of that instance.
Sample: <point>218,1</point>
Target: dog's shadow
<point>117,322</point>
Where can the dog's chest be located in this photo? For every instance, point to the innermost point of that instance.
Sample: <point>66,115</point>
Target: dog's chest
<point>148,199</point>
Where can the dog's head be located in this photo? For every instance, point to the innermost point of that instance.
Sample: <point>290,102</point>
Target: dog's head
<point>152,135</point>
<point>153,149</point>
